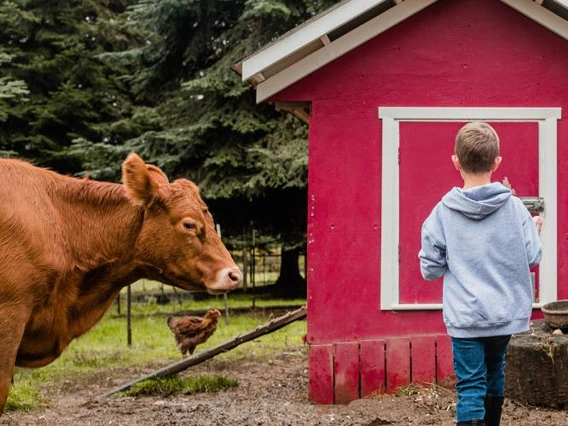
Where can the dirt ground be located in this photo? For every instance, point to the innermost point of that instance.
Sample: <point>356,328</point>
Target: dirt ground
<point>273,393</point>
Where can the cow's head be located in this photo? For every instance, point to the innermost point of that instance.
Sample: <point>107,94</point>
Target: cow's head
<point>178,240</point>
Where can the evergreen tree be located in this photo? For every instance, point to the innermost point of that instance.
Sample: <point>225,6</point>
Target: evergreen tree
<point>49,49</point>
<point>249,160</point>
<point>12,92</point>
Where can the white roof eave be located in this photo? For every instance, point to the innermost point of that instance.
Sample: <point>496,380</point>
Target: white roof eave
<point>562,3</point>
<point>543,16</point>
<point>339,47</point>
<point>297,39</point>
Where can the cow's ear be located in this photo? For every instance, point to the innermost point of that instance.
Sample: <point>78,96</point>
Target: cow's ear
<point>140,180</point>
<point>157,174</point>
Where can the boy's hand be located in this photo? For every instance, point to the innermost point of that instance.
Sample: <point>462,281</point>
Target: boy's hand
<point>538,223</point>
<point>508,185</point>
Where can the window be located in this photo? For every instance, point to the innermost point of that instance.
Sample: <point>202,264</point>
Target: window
<point>392,117</point>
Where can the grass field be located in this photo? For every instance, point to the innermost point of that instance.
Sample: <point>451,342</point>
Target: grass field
<point>105,346</point>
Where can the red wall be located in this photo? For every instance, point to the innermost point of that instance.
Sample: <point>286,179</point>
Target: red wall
<point>455,53</point>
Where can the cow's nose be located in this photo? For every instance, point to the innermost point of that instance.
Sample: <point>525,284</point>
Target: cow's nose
<point>227,280</point>
<point>236,276</point>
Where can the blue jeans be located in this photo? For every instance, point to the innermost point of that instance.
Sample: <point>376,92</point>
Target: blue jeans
<point>479,365</point>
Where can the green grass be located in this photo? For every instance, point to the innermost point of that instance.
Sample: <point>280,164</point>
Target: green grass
<point>173,385</point>
<point>105,346</point>
<point>24,397</point>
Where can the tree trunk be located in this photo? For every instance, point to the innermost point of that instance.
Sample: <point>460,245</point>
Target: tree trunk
<point>290,282</point>
<point>537,368</point>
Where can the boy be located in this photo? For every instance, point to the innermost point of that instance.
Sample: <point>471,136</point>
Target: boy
<point>483,241</point>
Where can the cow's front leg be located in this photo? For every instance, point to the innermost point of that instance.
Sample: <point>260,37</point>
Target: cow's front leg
<point>13,321</point>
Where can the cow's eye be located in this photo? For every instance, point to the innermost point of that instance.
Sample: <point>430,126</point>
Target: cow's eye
<point>189,225</point>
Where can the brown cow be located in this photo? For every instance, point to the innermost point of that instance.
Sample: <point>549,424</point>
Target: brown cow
<point>67,247</point>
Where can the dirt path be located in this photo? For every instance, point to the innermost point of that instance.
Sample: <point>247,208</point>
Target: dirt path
<point>271,394</point>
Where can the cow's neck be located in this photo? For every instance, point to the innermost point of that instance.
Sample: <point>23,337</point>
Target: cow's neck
<point>92,256</point>
<point>104,226</point>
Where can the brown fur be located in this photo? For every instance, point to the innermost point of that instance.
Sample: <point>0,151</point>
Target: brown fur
<point>67,247</point>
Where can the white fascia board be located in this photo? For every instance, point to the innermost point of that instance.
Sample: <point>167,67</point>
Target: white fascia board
<point>319,28</point>
<point>543,16</point>
<point>339,47</point>
<point>562,3</point>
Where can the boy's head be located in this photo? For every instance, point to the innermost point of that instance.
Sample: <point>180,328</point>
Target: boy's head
<point>477,148</point>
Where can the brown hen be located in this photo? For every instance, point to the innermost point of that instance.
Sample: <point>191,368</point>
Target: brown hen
<point>190,331</point>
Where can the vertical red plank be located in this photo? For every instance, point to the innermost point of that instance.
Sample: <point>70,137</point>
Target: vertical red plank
<point>397,363</point>
<point>320,370</point>
<point>444,361</point>
<point>373,377</point>
<point>346,368</point>
<point>423,359</point>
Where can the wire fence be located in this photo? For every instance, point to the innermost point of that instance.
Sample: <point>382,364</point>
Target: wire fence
<point>260,269</point>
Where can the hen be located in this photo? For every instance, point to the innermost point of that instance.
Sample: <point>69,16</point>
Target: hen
<point>190,331</point>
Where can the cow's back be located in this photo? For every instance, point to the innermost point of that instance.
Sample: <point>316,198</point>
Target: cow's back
<point>29,225</point>
<point>24,190</point>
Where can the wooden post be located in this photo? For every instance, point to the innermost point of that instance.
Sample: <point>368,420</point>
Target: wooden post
<point>129,316</point>
<point>245,268</point>
<point>225,297</point>
<point>252,268</point>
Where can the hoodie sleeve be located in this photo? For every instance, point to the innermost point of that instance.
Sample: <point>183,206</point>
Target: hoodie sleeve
<point>432,255</point>
<point>532,242</point>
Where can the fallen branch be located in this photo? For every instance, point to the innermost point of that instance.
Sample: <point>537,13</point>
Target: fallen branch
<point>198,358</point>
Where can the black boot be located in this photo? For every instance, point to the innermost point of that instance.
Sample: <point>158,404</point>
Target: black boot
<point>472,423</point>
<point>493,409</point>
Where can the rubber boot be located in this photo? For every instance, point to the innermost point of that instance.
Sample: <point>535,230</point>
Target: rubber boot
<point>493,409</point>
<point>472,422</point>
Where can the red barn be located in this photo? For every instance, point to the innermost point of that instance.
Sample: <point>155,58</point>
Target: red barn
<point>384,86</point>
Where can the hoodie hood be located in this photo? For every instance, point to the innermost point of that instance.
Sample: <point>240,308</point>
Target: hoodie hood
<point>478,202</point>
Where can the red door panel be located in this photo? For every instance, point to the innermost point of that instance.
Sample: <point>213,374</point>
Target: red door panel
<point>427,173</point>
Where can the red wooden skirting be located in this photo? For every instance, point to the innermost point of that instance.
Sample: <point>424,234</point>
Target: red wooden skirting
<point>320,367</point>
<point>398,363</point>
<point>444,361</point>
<point>372,367</point>
<point>423,357</point>
<point>344,371</point>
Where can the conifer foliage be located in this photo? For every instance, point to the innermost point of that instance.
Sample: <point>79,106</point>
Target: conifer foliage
<point>249,160</point>
<point>55,89</point>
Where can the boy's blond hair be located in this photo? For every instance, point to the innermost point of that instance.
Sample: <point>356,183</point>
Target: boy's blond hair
<point>477,147</point>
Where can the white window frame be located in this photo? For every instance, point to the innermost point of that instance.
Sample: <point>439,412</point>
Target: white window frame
<point>390,218</point>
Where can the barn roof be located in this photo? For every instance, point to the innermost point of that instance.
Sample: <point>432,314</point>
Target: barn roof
<point>348,24</point>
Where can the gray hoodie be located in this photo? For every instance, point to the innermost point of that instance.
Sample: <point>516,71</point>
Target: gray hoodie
<point>483,242</point>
